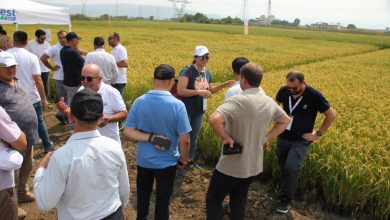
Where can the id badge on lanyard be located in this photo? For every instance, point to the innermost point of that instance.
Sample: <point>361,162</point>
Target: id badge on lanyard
<point>291,108</point>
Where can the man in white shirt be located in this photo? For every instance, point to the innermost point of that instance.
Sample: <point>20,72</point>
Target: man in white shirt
<point>54,53</point>
<point>120,54</point>
<point>86,178</point>
<point>29,74</point>
<point>106,62</point>
<point>114,106</point>
<point>11,139</point>
<point>38,46</point>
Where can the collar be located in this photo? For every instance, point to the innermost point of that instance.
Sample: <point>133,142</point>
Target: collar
<point>160,92</point>
<point>100,49</point>
<point>252,91</point>
<point>84,135</point>
<point>237,83</point>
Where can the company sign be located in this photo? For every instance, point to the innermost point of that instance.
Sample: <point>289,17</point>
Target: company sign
<point>7,14</point>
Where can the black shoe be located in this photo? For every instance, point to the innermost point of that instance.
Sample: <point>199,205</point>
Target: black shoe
<point>283,207</point>
<point>276,198</point>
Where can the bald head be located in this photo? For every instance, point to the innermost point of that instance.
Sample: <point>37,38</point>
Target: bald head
<point>253,73</point>
<point>91,69</point>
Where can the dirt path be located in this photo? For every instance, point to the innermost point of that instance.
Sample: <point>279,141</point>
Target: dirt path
<point>188,200</point>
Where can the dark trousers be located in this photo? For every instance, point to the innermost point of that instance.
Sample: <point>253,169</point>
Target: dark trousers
<point>291,156</point>
<point>120,87</point>
<point>222,185</point>
<point>8,204</point>
<point>164,186</point>
<point>45,80</point>
<point>117,215</point>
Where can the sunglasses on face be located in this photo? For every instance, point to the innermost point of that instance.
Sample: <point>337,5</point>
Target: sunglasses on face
<point>89,78</point>
<point>204,57</point>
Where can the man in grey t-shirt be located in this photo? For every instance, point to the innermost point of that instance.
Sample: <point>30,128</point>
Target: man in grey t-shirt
<point>242,119</point>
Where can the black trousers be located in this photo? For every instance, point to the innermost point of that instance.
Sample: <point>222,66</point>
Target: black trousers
<point>165,179</point>
<point>220,186</point>
<point>291,156</point>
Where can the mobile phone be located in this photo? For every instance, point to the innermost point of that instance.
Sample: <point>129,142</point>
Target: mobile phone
<point>164,143</point>
<point>236,149</point>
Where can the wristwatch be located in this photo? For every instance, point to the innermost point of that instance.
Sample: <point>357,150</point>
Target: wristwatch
<point>150,137</point>
<point>318,133</point>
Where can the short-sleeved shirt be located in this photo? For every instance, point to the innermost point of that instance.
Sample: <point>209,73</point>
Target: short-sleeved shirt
<point>305,113</point>
<point>10,159</point>
<point>27,68</point>
<point>54,52</point>
<point>235,90</point>
<point>72,63</point>
<point>160,113</point>
<point>194,104</point>
<point>120,53</point>
<point>38,49</point>
<point>112,104</point>
<point>107,64</point>
<point>15,102</point>
<point>247,118</point>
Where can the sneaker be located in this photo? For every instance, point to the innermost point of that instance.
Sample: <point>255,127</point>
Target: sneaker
<point>180,173</point>
<point>283,207</point>
<point>21,213</point>
<point>25,197</point>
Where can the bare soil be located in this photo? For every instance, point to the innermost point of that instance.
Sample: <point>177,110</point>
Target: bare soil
<point>188,199</point>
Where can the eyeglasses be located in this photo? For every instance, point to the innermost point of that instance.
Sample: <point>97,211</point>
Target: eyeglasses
<point>204,57</point>
<point>110,38</point>
<point>89,78</point>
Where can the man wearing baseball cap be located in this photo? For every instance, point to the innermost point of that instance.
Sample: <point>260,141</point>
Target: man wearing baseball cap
<point>106,62</point>
<point>86,178</point>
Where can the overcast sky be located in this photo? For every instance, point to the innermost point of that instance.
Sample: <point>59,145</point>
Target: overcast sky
<point>373,14</point>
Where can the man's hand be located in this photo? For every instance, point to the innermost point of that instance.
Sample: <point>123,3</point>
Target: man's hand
<point>181,162</point>
<point>105,121</point>
<point>310,136</point>
<point>44,104</point>
<point>229,141</point>
<point>61,106</point>
<point>45,161</point>
<point>229,83</point>
<point>266,143</point>
<point>55,68</point>
<point>204,93</point>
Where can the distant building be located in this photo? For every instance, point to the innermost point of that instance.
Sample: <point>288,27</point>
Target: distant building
<point>324,25</point>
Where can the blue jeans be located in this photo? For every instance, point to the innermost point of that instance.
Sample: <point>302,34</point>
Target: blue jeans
<point>42,130</point>
<point>120,87</point>
<point>196,125</point>
<point>291,156</point>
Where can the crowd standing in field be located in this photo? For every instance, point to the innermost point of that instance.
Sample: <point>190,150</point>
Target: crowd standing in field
<point>87,178</point>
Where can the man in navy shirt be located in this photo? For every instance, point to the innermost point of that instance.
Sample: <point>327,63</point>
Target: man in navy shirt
<point>158,121</point>
<point>302,103</point>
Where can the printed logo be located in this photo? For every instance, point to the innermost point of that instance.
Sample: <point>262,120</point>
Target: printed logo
<point>7,14</point>
<point>305,107</point>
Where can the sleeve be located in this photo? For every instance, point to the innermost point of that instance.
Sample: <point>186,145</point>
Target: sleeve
<point>117,101</point>
<point>185,72</point>
<point>10,159</point>
<point>229,109</point>
<point>50,52</point>
<point>279,112</point>
<point>209,78</point>
<point>9,130</point>
<point>49,184</point>
<point>79,58</point>
<point>87,60</point>
<point>131,121</point>
<point>321,103</point>
<point>123,54</point>
<point>183,123</point>
<point>279,95</point>
<point>35,68</point>
<point>228,94</point>
<point>124,185</point>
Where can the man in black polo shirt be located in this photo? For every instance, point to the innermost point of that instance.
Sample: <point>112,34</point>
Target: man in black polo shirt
<point>72,64</point>
<point>302,103</point>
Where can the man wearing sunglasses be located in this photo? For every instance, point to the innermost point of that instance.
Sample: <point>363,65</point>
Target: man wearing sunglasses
<point>38,46</point>
<point>302,103</point>
<point>114,106</point>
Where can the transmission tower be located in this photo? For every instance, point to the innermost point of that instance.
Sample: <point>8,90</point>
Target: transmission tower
<point>179,6</point>
<point>84,8</point>
<point>245,15</point>
<point>269,13</point>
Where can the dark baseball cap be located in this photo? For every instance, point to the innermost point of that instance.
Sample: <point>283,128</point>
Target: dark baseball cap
<point>72,35</point>
<point>164,72</point>
<point>87,105</point>
<point>99,41</point>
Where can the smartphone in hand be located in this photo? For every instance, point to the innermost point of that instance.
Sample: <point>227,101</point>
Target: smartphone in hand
<point>164,143</point>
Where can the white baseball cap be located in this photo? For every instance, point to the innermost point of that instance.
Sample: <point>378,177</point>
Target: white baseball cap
<point>7,59</point>
<point>200,50</point>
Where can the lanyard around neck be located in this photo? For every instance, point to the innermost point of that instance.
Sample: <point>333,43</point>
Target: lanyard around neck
<point>296,104</point>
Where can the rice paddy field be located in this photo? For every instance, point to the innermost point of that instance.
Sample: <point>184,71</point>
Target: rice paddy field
<point>350,165</point>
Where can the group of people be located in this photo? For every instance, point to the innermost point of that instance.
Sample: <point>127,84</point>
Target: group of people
<point>87,178</point>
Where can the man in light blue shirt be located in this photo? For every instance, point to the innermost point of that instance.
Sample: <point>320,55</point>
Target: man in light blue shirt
<point>158,121</point>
